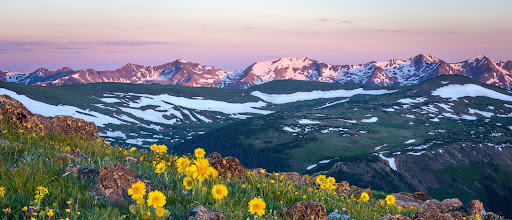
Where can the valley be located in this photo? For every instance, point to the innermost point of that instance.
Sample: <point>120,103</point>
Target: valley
<point>396,138</point>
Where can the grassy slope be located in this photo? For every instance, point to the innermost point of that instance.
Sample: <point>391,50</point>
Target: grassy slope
<point>28,161</point>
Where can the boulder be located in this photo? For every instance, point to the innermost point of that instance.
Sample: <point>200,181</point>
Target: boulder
<point>14,111</point>
<point>84,173</point>
<point>230,168</point>
<point>342,188</point>
<point>430,214</point>
<point>474,208</point>
<point>444,206</point>
<point>201,213</point>
<point>296,178</point>
<point>306,210</point>
<point>420,196</point>
<point>214,157</point>
<point>113,182</point>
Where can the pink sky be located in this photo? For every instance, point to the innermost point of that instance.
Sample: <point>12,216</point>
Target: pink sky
<point>234,34</point>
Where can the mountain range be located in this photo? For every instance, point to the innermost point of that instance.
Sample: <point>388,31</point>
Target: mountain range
<point>180,72</point>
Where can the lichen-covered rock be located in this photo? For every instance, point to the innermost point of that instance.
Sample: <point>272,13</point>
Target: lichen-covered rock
<point>406,200</point>
<point>201,213</point>
<point>130,159</point>
<point>214,157</point>
<point>113,182</point>
<point>306,210</point>
<point>230,168</point>
<point>420,196</point>
<point>431,214</point>
<point>474,208</point>
<point>84,173</point>
<point>342,188</point>
<point>13,110</point>
<point>444,206</point>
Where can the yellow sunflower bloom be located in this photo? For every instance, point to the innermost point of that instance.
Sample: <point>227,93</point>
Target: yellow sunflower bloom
<point>182,164</point>
<point>188,183</point>
<point>321,179</point>
<point>153,147</point>
<point>212,173</point>
<point>364,197</point>
<point>137,191</point>
<point>160,212</point>
<point>199,152</point>
<point>219,191</point>
<point>161,149</point>
<point>156,199</point>
<point>331,180</point>
<point>390,199</point>
<point>257,206</point>
<point>200,169</point>
<point>160,168</point>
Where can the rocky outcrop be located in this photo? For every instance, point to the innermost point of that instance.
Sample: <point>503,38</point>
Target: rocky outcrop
<point>113,182</point>
<point>201,213</point>
<point>474,208</point>
<point>84,173</point>
<point>228,167</point>
<point>438,215</point>
<point>306,210</point>
<point>13,110</point>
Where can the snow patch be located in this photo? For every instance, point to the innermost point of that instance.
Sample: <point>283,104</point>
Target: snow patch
<point>331,104</point>
<point>305,96</point>
<point>52,110</point>
<point>457,91</point>
<point>410,141</point>
<point>307,121</point>
<point>370,120</point>
<point>409,101</point>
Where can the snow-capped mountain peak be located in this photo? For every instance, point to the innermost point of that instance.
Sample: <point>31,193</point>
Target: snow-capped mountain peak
<point>181,72</point>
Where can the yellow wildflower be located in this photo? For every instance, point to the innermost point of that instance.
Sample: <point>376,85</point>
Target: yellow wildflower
<point>160,212</point>
<point>133,149</point>
<point>321,179</point>
<point>161,149</point>
<point>50,213</point>
<point>140,201</point>
<point>212,172</point>
<point>257,205</point>
<point>2,192</point>
<point>160,168</point>
<point>68,210</point>
<point>262,171</point>
<point>156,199</point>
<point>137,191</point>
<point>219,191</point>
<point>200,169</point>
<point>390,199</point>
<point>199,152</point>
<point>188,183</point>
<point>331,180</point>
<point>364,197</point>
<point>182,164</point>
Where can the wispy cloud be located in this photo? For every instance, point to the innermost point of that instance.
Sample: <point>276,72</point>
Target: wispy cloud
<point>124,43</point>
<point>333,20</point>
<point>255,28</point>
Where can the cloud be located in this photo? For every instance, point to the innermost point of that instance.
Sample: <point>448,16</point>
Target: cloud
<point>8,46</point>
<point>124,43</point>
<point>333,20</point>
<point>322,19</point>
<point>255,28</point>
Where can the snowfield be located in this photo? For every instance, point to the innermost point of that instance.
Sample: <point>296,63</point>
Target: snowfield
<point>370,120</point>
<point>305,96</point>
<point>48,110</point>
<point>307,121</point>
<point>455,92</point>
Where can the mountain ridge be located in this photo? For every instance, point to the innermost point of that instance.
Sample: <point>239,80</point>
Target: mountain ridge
<point>180,72</point>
